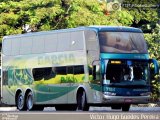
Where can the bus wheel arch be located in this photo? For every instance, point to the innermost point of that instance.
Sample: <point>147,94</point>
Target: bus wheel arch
<point>82,100</point>
<point>20,100</point>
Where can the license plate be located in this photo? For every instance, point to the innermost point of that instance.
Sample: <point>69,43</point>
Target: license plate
<point>128,100</point>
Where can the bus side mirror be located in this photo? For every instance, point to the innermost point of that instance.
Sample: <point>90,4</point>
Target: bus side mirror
<point>154,67</point>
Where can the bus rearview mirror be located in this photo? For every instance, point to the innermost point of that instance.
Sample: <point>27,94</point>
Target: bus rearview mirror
<point>155,69</point>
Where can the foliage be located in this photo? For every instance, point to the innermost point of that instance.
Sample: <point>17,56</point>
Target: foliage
<point>153,41</point>
<point>57,14</point>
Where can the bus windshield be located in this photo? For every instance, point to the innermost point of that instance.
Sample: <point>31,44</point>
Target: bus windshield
<point>129,72</point>
<point>122,42</point>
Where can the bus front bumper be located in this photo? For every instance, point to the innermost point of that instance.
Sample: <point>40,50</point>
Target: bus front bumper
<point>126,99</point>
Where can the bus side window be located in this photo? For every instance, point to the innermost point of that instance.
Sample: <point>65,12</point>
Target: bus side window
<point>61,70</point>
<point>49,73</point>
<point>43,73</point>
<point>79,75</point>
<point>90,69</point>
<point>70,70</point>
<point>96,72</point>
<point>78,69</point>
<point>38,73</point>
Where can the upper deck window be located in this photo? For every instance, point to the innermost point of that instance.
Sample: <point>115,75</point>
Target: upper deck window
<point>122,42</point>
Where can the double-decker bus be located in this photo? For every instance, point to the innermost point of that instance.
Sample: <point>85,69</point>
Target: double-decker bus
<point>73,69</point>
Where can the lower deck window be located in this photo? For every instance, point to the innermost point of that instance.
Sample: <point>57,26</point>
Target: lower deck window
<point>42,73</point>
<point>51,72</point>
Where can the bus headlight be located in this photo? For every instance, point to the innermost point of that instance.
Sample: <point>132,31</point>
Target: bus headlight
<point>146,94</point>
<point>110,93</point>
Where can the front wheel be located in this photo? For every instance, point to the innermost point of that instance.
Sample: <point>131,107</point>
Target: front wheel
<point>82,101</point>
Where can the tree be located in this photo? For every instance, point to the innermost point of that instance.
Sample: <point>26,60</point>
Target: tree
<point>46,15</point>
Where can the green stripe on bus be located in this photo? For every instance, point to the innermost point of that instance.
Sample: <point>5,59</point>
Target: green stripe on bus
<point>123,56</point>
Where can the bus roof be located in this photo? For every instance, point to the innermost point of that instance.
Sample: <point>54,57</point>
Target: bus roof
<point>95,28</point>
<point>116,29</point>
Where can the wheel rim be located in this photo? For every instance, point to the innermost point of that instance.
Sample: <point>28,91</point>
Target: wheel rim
<point>20,102</point>
<point>29,102</point>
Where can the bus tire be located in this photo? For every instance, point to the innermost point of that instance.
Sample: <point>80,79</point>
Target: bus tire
<point>82,101</point>
<point>30,104</point>
<point>29,101</point>
<point>20,102</point>
<point>126,107</point>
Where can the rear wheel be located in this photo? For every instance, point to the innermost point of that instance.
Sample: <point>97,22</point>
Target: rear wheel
<point>30,103</point>
<point>125,107</point>
<point>20,102</point>
<point>82,101</point>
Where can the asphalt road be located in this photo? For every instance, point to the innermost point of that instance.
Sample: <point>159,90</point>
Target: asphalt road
<point>95,113</point>
<point>92,109</point>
